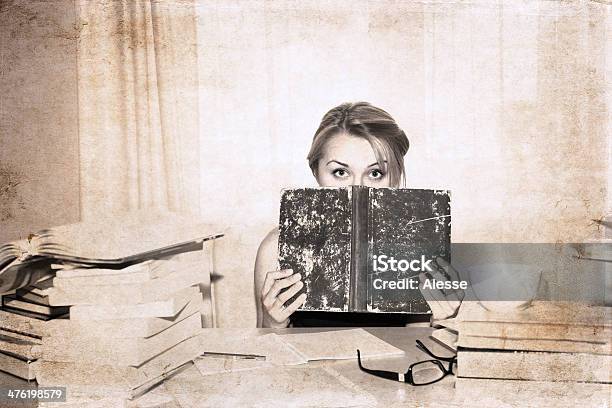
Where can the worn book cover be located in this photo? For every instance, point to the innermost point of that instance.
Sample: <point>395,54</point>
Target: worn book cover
<point>361,249</point>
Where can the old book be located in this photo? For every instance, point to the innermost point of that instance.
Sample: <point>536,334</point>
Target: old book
<point>127,293</point>
<point>25,347</point>
<point>37,293</point>
<point>299,348</point>
<point>117,240</point>
<point>32,315</point>
<point>248,342</point>
<point>21,324</point>
<point>115,377</point>
<point>543,320</point>
<point>73,279</point>
<point>537,330</point>
<point>11,302</point>
<point>542,366</point>
<point>22,368</point>
<point>160,308</point>
<point>340,344</point>
<point>121,328</point>
<point>532,343</point>
<point>32,297</point>
<point>119,351</point>
<point>361,249</point>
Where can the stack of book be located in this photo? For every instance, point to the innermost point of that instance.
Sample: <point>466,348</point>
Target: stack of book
<point>22,317</point>
<point>128,328</point>
<point>549,341</point>
<point>33,301</point>
<point>129,289</point>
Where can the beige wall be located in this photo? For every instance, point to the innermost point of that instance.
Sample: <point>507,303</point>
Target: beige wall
<point>506,104</point>
<point>39,161</point>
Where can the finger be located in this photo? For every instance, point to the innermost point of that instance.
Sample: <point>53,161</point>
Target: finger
<point>271,278</point>
<point>281,284</point>
<point>288,294</point>
<point>277,306</point>
<point>277,311</point>
<point>295,305</point>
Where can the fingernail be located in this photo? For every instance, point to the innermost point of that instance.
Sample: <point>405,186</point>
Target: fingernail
<point>298,276</point>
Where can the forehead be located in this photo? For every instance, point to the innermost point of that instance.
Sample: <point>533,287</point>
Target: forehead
<point>348,149</point>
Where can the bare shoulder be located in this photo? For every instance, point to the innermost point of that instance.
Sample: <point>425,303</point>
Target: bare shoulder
<point>270,241</point>
<point>267,254</point>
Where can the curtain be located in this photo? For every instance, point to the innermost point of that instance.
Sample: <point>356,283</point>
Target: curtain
<point>137,106</point>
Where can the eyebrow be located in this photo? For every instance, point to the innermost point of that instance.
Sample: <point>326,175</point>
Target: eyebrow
<point>340,163</point>
<point>346,165</point>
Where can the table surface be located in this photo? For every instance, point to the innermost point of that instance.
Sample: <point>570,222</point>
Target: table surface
<point>340,383</point>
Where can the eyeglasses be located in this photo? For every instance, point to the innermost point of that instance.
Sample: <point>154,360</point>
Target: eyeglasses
<point>421,373</point>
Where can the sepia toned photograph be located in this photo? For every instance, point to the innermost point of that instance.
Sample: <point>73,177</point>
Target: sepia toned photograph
<point>318,203</point>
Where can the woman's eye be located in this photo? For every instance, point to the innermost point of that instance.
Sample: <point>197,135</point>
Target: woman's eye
<point>340,173</point>
<point>376,174</point>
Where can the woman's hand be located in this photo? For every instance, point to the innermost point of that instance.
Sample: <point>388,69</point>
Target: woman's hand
<point>275,312</point>
<point>443,303</point>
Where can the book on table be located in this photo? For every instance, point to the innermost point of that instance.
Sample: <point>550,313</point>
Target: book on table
<point>548,341</point>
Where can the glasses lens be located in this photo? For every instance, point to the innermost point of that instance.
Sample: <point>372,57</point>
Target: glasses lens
<point>426,372</point>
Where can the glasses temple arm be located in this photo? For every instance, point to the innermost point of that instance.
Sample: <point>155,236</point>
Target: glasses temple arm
<point>390,375</point>
<point>424,349</point>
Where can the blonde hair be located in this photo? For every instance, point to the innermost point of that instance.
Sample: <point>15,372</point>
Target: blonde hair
<point>362,119</point>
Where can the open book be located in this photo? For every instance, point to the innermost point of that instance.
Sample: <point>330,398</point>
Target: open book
<point>113,242</point>
<point>361,249</point>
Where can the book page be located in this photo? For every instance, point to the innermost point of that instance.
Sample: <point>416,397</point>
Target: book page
<point>340,344</point>
<point>237,341</point>
<point>117,237</point>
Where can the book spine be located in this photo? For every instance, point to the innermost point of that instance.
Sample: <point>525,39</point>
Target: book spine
<point>359,249</point>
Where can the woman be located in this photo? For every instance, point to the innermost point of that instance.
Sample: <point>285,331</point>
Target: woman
<point>355,144</point>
